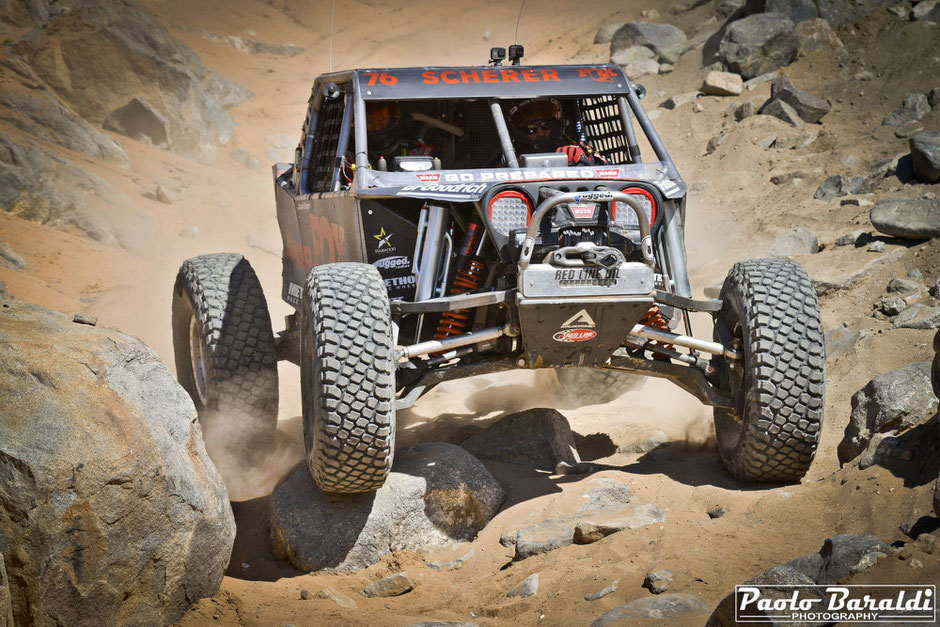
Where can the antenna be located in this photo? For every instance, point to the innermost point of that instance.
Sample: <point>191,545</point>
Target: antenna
<point>518,19</point>
<point>333,14</point>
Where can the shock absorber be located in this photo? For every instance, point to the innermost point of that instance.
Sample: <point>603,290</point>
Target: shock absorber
<point>468,276</point>
<point>655,319</point>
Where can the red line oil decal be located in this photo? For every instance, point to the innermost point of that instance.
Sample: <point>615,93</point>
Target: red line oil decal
<point>575,335</point>
<point>607,173</point>
<point>429,177</point>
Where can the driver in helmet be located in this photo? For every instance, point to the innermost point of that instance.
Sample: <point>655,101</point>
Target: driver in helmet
<point>538,126</point>
<point>386,137</point>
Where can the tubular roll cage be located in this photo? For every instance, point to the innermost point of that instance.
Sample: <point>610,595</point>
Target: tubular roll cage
<point>690,377</point>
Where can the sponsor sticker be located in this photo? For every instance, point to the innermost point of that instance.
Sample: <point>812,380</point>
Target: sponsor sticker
<point>582,210</point>
<point>398,262</point>
<point>575,335</point>
<point>851,603</point>
<point>607,173</point>
<point>580,319</point>
<point>429,177</point>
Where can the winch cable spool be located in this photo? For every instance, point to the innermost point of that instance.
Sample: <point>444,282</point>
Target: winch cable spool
<point>468,276</point>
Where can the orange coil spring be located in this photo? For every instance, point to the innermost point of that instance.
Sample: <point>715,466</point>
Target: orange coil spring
<point>655,319</point>
<point>455,322</point>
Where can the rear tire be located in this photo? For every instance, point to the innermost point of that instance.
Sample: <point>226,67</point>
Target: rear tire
<point>347,370</point>
<point>224,347</point>
<point>771,313</point>
<point>596,385</point>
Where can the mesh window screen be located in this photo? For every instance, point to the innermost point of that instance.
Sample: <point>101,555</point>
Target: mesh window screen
<point>603,128</point>
<point>329,122</point>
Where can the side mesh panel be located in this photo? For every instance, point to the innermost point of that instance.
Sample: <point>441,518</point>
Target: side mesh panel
<point>329,123</point>
<point>602,127</point>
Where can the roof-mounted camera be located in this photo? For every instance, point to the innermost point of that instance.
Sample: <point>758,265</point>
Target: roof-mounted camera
<point>516,53</point>
<point>497,55</point>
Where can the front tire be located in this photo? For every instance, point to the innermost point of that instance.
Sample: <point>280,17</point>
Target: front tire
<point>224,348</point>
<point>347,370</point>
<point>771,313</point>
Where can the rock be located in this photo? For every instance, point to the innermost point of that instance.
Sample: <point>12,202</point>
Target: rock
<point>825,285</point>
<point>876,247</point>
<point>42,186</point>
<point>863,75</point>
<point>767,142</point>
<point>936,497</point>
<point>394,585</point>
<point>598,525</point>
<point>454,564</point>
<point>606,32</point>
<point>908,129</point>
<point>727,8</point>
<point>916,275</point>
<point>796,241</point>
<point>6,599</point>
<point>759,44</point>
<point>163,195</point>
<point>839,185</point>
<point>245,159</point>
<point>928,11</point>
<point>744,111</point>
<point>653,14</point>
<point>914,527</point>
<point>635,69</point>
<point>252,46</point>
<point>659,608</point>
<point>778,583</point>
<point>138,120</point>
<point>594,596</point>
<point>716,511</point>
<point>3,290</point>
<point>903,286</point>
<point>918,317</point>
<point>892,401</point>
<point>658,581</point>
<point>722,84</point>
<point>797,10</point>
<point>855,238</point>
<point>45,116</point>
<point>838,557</point>
<point>656,37</point>
<point>925,154</point>
<point>118,52</point>
<point>810,108</point>
<point>632,54</point>
<point>816,34</point>
<point>539,438</point>
<point>840,341</point>
<point>611,495</point>
<point>436,493</point>
<point>676,101</point>
<point>337,597</point>
<point>782,111</point>
<point>907,218</point>
<point>190,232</point>
<point>893,306</point>
<point>933,98</point>
<point>9,258</point>
<point>526,588</point>
<point>666,68</point>
<point>112,510</point>
<point>755,82</point>
<point>443,623</point>
<point>912,108</point>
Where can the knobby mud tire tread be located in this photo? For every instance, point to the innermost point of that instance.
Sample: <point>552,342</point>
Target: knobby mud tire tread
<point>224,295</point>
<point>782,397</point>
<point>348,378</point>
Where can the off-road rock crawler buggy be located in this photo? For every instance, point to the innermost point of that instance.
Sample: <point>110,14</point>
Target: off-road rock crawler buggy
<point>470,258</point>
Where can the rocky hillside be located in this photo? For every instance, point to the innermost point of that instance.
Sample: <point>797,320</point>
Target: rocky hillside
<point>137,134</point>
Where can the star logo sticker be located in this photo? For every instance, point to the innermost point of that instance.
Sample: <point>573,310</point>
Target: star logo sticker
<point>383,238</point>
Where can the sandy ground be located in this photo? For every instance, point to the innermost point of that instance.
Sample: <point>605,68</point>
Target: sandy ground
<point>734,218</point>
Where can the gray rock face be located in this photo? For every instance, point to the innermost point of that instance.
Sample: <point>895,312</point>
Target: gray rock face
<point>925,155</point>
<point>394,585</point>
<point>600,594</point>
<point>838,558</point>
<point>663,606</point>
<point>6,601</point>
<point>44,116</point>
<point>656,37</point>
<point>796,241</point>
<point>606,32</point>
<point>101,56</point>
<point>9,258</point>
<point>526,588</point>
<point>782,111</point>
<point>912,108</point>
<point>759,44</point>
<point>894,400</point>
<point>436,493</point>
<point>810,108</point>
<point>841,341</point>
<point>39,185</point>
<point>907,218</point>
<point>797,10</point>
<point>936,497</point>
<point>139,120</point>
<point>112,511</point>
<point>538,437</point>
<point>918,316</point>
<point>928,11</point>
<point>840,185</point>
<point>779,582</point>
<point>816,34</point>
<point>633,54</point>
<point>658,581</point>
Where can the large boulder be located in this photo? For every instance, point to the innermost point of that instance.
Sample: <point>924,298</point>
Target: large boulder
<point>816,34</point>
<point>907,218</point>
<point>912,108</point>
<point>809,107</point>
<point>797,10</point>
<point>538,437</point>
<point>797,241</point>
<point>892,401</point>
<point>100,56</point>
<point>112,513</point>
<point>759,44</point>
<point>925,155</point>
<point>436,494</point>
<point>656,37</point>
<point>681,607</point>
